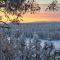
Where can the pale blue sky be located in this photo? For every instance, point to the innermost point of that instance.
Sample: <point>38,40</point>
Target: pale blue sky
<point>46,1</point>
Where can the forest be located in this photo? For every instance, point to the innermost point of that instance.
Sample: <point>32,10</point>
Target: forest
<point>17,42</point>
<point>23,41</point>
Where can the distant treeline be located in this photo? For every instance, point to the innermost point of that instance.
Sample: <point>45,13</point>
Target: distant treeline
<point>44,30</point>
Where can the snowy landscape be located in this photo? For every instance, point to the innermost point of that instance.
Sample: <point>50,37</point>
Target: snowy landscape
<point>35,38</point>
<point>31,41</point>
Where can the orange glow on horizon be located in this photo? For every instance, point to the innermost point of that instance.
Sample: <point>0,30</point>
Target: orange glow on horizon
<point>42,17</point>
<point>37,17</point>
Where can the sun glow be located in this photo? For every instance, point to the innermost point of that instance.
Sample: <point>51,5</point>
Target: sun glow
<point>28,18</point>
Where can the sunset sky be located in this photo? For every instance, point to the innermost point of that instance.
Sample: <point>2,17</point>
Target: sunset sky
<point>38,17</point>
<point>42,17</point>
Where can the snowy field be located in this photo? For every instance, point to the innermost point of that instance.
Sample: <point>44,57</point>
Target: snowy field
<point>56,43</point>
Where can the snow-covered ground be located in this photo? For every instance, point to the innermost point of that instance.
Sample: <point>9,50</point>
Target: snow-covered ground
<point>56,43</point>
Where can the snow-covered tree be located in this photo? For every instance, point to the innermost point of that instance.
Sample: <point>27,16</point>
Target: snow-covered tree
<point>36,46</point>
<point>48,51</point>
